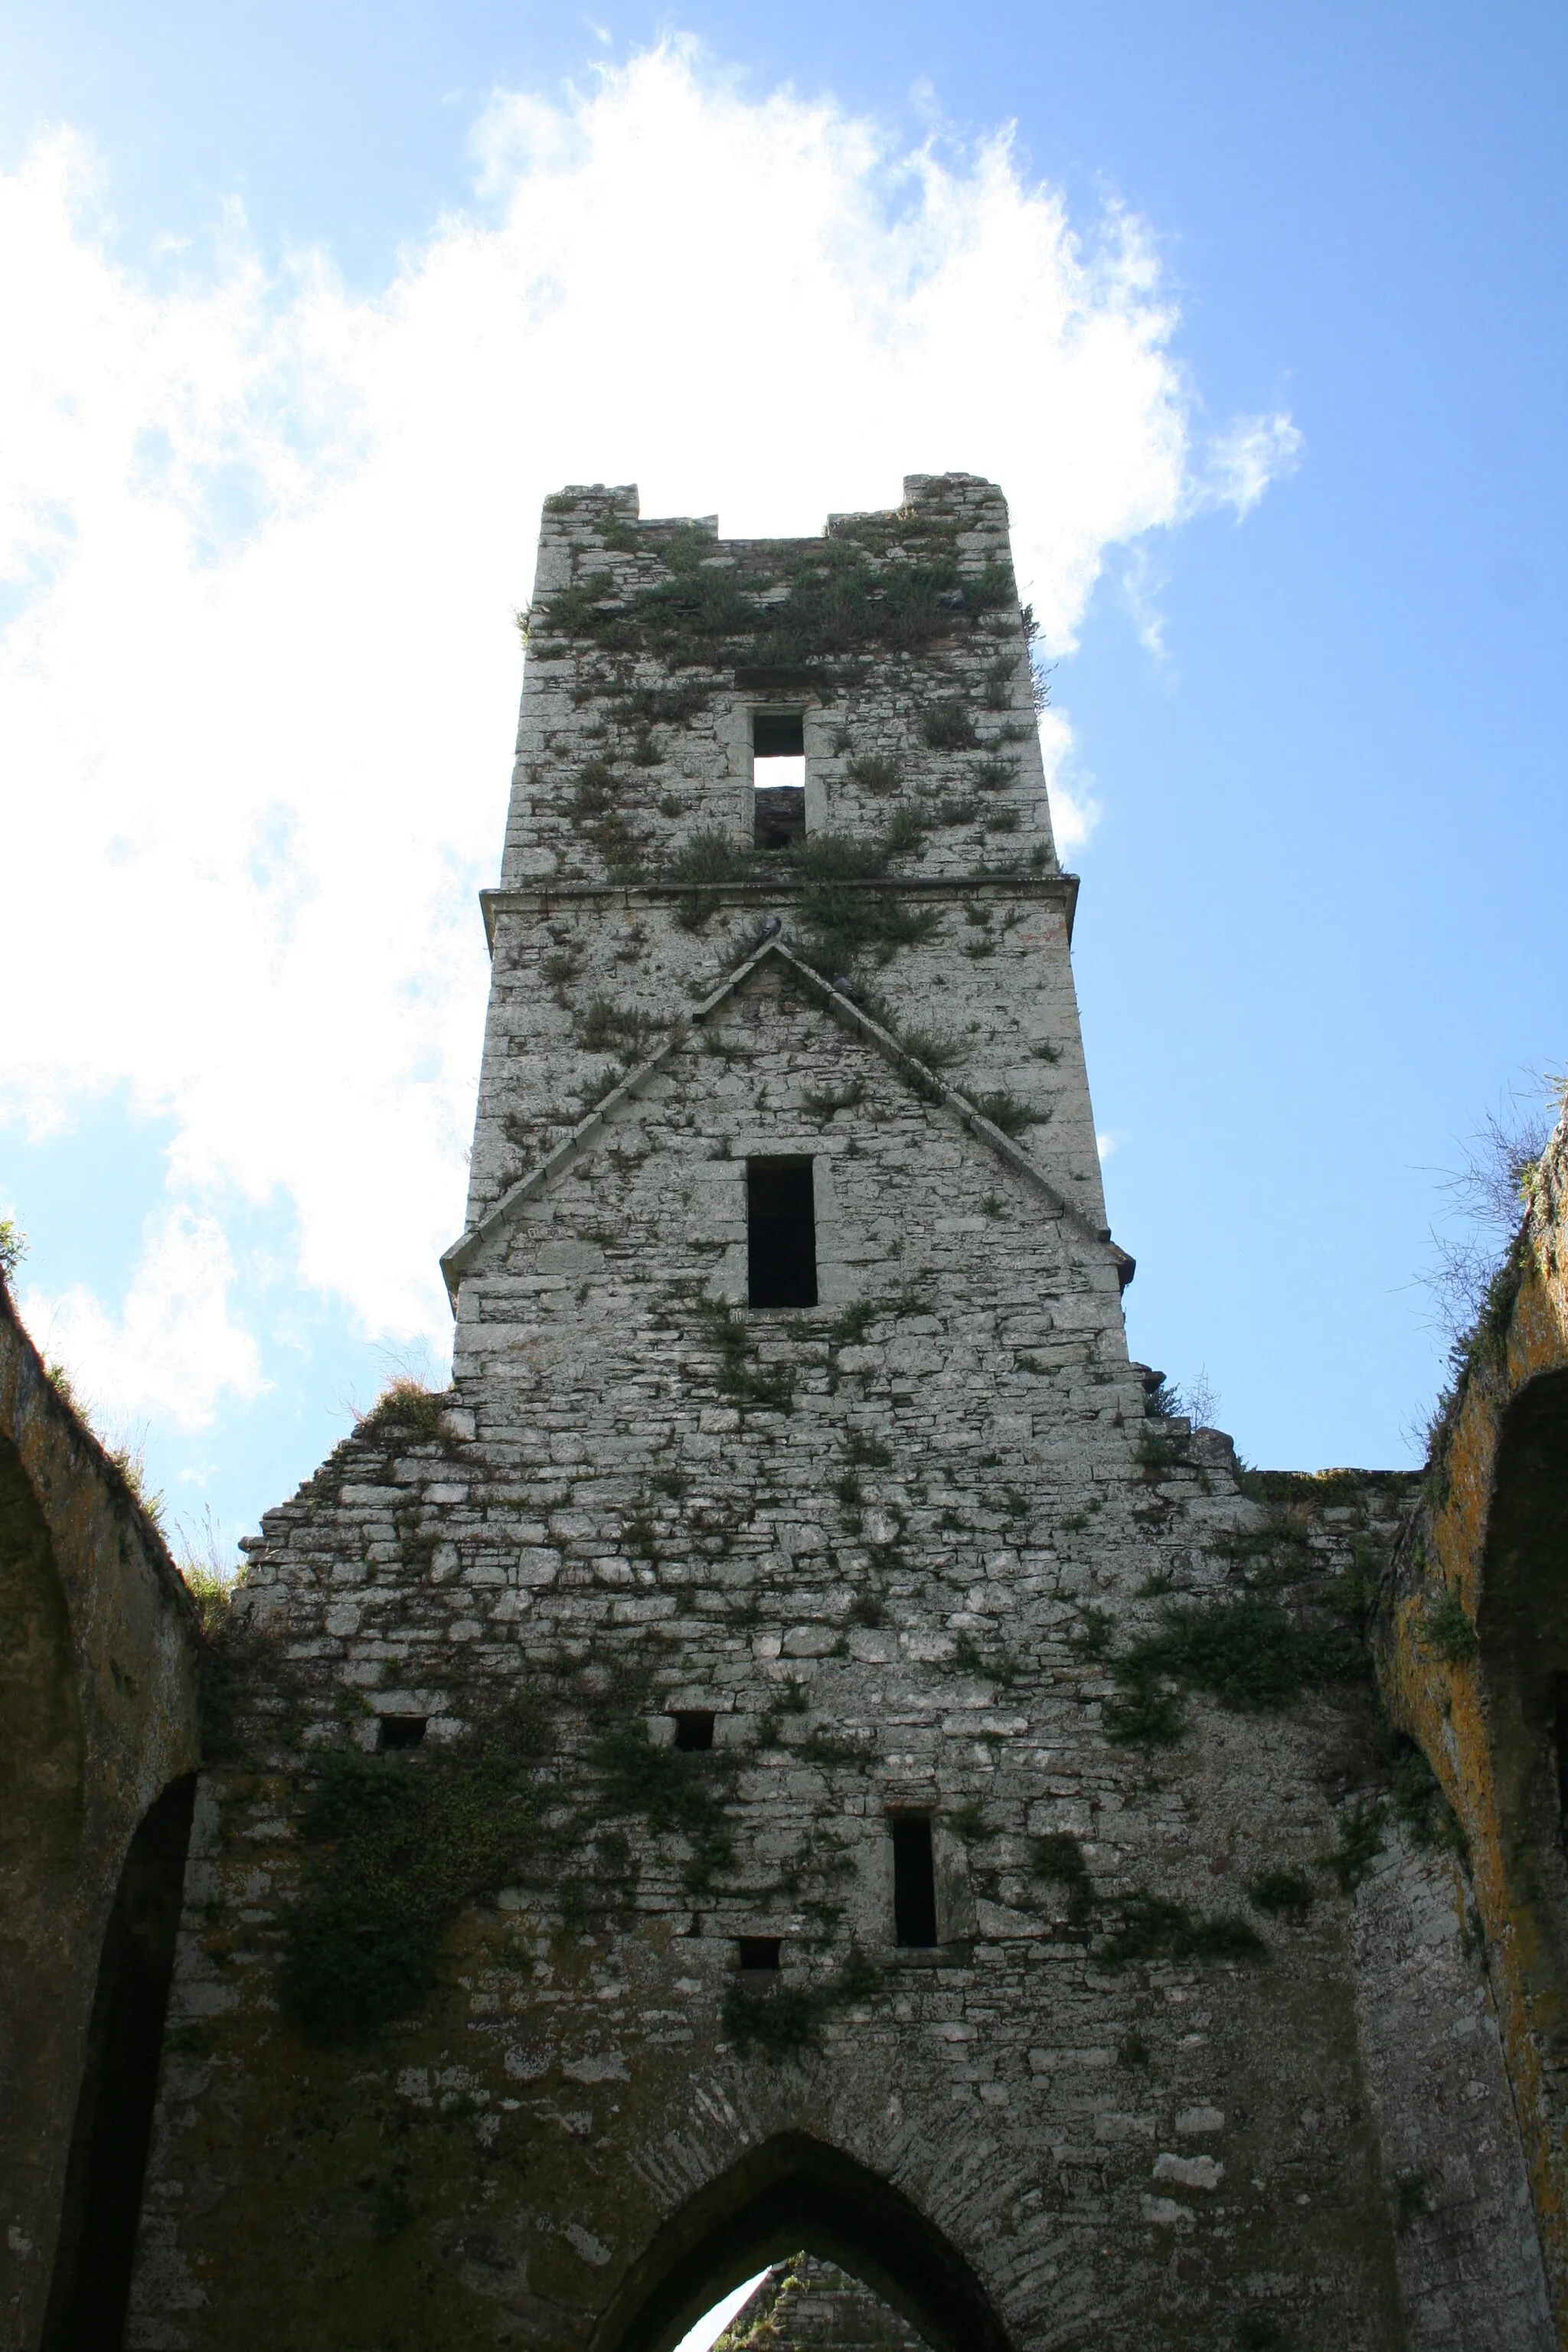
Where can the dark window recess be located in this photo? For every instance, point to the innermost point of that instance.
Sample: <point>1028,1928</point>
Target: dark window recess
<point>778,796</point>
<point>400,1730</point>
<point>781,1233</point>
<point>1560,1736</point>
<point>759,1954</point>
<point>693,1730</point>
<point>915,1881</point>
<point>778,735</point>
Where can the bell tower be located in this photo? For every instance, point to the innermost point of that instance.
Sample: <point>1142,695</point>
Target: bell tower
<point>803,1747</point>
<point>807,772</point>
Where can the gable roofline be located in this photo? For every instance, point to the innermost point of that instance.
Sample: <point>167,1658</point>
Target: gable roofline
<point>929,1083</point>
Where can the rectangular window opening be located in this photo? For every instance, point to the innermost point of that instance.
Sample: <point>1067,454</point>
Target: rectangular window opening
<point>400,1730</point>
<point>758,1954</point>
<point>693,1730</point>
<point>915,1881</point>
<point>1560,1738</point>
<point>781,1233</point>
<point>778,779</point>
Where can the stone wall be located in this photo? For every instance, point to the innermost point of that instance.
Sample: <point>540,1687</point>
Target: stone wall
<point>97,1717</point>
<point>1473,1652</point>
<point>474,2035</point>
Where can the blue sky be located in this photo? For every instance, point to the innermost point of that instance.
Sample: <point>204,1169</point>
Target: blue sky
<point>1313,738</point>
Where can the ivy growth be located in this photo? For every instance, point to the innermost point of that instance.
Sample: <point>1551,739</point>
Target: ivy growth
<point>1248,1652</point>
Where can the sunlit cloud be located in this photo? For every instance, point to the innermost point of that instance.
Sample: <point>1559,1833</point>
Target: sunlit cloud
<point>1242,461</point>
<point>173,1350</point>
<point>260,544</point>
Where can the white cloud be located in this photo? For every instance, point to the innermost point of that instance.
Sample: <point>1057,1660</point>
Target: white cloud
<point>268,537</point>
<point>1252,452</point>
<point>173,1350</point>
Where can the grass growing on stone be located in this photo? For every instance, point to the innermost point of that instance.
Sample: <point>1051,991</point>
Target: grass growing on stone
<point>396,1845</point>
<point>1058,1858</point>
<point>739,1378</point>
<point>1286,1892</point>
<point>1420,1804</point>
<point>1360,1842</point>
<point>1151,1928</point>
<point>1449,1632</point>
<point>781,2021</point>
<point>1248,1652</point>
<point>673,1791</point>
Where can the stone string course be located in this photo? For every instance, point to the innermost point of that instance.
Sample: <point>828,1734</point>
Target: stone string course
<point>894,1543</point>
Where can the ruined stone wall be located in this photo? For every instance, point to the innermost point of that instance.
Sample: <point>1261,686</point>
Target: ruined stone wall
<point>463,2046</point>
<point>98,1715</point>
<point>1473,1648</point>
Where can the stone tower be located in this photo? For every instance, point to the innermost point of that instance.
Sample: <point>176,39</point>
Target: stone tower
<point>800,1748</point>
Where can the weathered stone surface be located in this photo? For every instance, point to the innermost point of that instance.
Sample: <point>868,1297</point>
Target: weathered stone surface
<point>1473,1652</point>
<point>98,1717</point>
<point>899,1545</point>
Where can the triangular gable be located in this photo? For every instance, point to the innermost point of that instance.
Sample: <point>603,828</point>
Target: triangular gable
<point>929,1083</point>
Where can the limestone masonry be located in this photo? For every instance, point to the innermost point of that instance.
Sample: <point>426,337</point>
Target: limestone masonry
<point>804,1745</point>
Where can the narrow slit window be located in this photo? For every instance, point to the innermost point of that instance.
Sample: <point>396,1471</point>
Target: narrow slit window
<point>693,1730</point>
<point>781,1233</point>
<point>401,1730</point>
<point>1559,1738</point>
<point>915,1881</point>
<point>778,779</point>
<point>758,1954</point>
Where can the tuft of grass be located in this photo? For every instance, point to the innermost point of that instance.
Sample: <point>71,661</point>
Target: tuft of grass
<point>1248,1652</point>
<point>1359,1832</point>
<point>1005,1110</point>
<point>783,2019</point>
<point>396,1845</point>
<point>1092,1637</point>
<point>1420,1804</point>
<point>1285,1892</point>
<point>13,1247</point>
<point>1412,2198</point>
<point>948,726</point>
<point>827,1102</point>
<point>608,1028</point>
<point>405,1407</point>
<point>1151,1928</point>
<point>739,1377</point>
<point>673,1791</point>
<point>1058,1858</point>
<point>875,772</point>
<point>1449,1630</point>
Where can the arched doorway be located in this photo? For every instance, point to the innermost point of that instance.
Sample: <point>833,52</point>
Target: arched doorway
<point>107,2163</point>
<point>796,2191</point>
<point>1522,1631</point>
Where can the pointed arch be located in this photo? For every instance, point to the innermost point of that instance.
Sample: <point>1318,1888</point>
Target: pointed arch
<point>91,2287</point>
<point>795,2190</point>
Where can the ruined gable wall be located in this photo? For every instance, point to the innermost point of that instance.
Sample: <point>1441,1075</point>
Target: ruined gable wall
<point>903,1546</point>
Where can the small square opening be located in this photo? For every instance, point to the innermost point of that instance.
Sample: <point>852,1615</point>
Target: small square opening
<point>781,1233</point>
<point>758,1954</point>
<point>915,1881</point>
<point>401,1730</point>
<point>693,1730</point>
<point>778,779</point>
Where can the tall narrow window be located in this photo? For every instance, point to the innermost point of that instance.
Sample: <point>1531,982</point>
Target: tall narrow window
<point>915,1881</point>
<point>781,1233</point>
<point>778,777</point>
<point>1560,1738</point>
